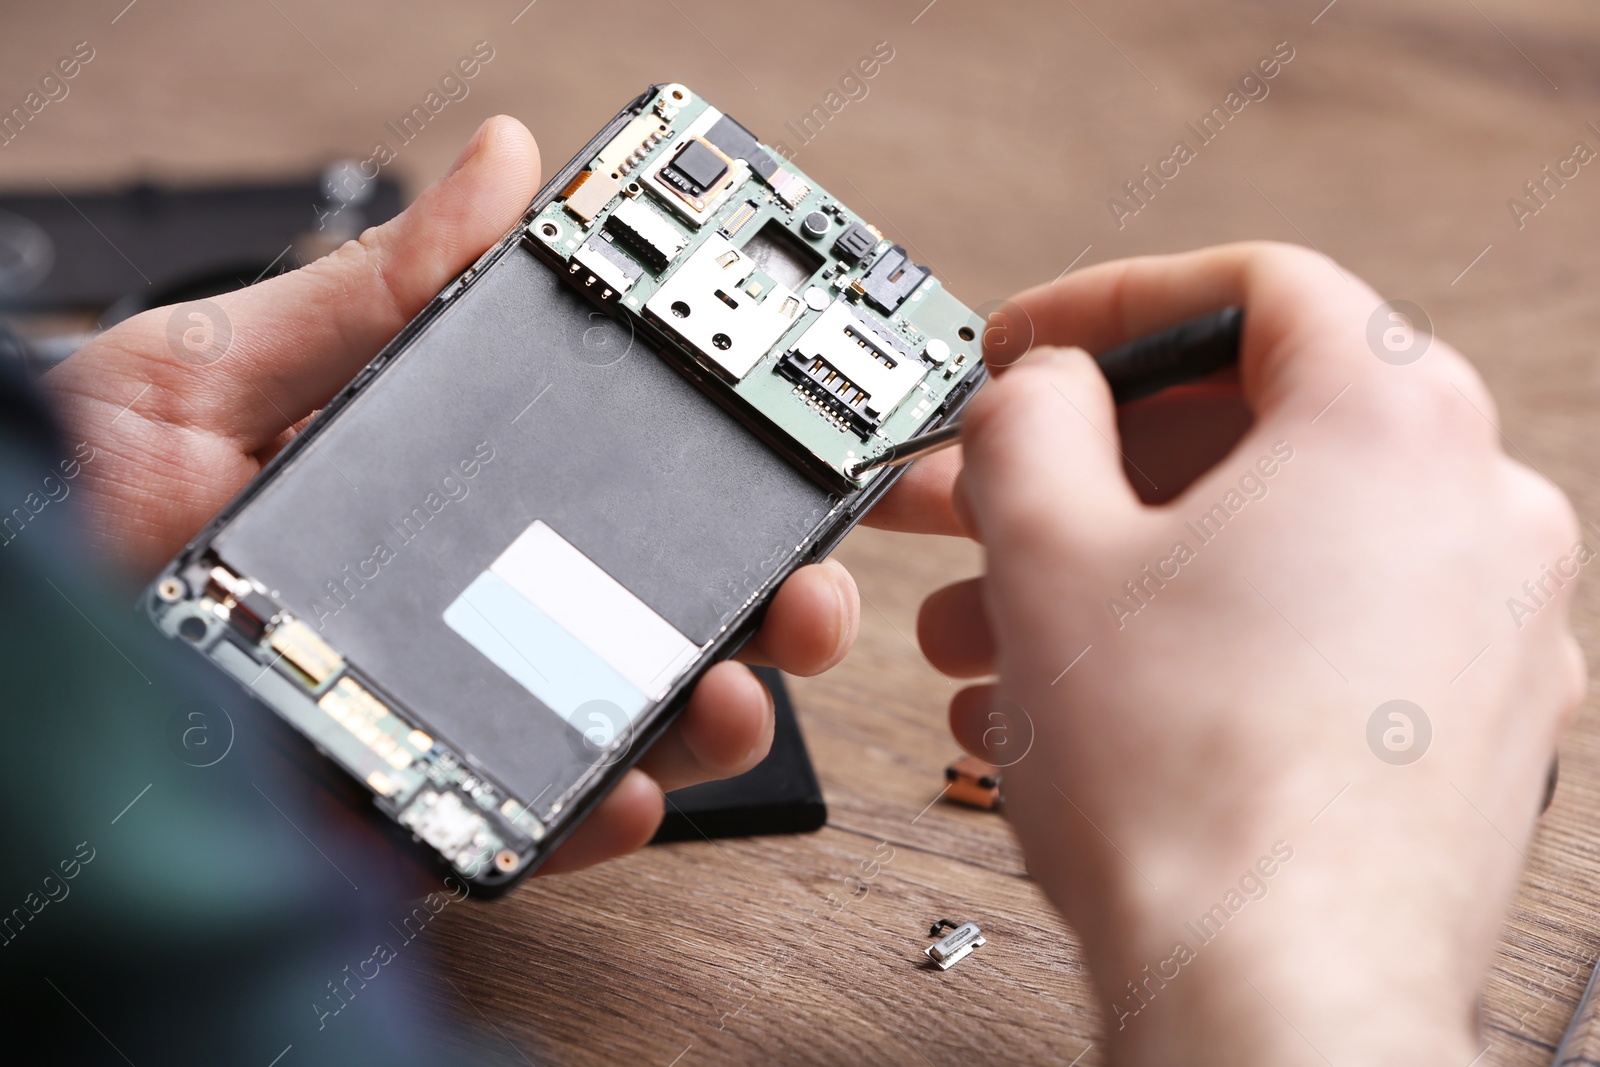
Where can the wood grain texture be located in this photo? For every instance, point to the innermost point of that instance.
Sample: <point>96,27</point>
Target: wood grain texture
<point>990,145</point>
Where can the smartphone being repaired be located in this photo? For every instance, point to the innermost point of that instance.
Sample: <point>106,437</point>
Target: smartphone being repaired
<point>485,578</point>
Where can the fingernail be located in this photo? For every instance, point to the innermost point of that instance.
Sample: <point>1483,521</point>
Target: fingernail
<point>758,751</point>
<point>468,152</point>
<point>772,719</point>
<point>842,583</point>
<point>1055,353</point>
<point>844,587</point>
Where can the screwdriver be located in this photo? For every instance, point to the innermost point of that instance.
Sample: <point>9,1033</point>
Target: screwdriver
<point>1147,365</point>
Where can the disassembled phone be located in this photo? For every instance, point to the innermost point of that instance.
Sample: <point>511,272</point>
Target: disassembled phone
<point>485,578</point>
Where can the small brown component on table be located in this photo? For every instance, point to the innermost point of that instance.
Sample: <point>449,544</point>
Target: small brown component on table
<point>973,782</point>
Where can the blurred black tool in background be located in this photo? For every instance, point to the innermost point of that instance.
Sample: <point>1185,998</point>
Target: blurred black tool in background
<point>73,262</point>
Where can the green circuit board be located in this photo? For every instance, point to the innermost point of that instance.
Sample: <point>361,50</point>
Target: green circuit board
<point>834,339</point>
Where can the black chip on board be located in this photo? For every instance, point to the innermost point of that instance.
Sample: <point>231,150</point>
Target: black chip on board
<point>892,279</point>
<point>764,165</point>
<point>854,243</point>
<point>736,142</point>
<point>695,169</point>
<point>731,138</point>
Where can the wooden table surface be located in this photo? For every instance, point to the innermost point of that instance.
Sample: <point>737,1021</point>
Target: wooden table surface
<point>990,144</point>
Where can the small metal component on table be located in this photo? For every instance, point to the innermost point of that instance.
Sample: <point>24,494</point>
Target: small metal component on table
<point>955,946</point>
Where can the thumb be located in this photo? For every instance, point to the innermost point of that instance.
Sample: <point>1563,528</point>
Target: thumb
<point>293,341</point>
<point>1043,460</point>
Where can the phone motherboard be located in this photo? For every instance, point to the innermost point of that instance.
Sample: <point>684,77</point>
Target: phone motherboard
<point>835,343</point>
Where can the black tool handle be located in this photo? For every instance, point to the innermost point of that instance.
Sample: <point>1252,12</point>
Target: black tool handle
<point>1178,354</point>
<point>1137,369</point>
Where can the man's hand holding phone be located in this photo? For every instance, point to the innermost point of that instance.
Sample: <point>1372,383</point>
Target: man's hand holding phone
<point>176,439</point>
